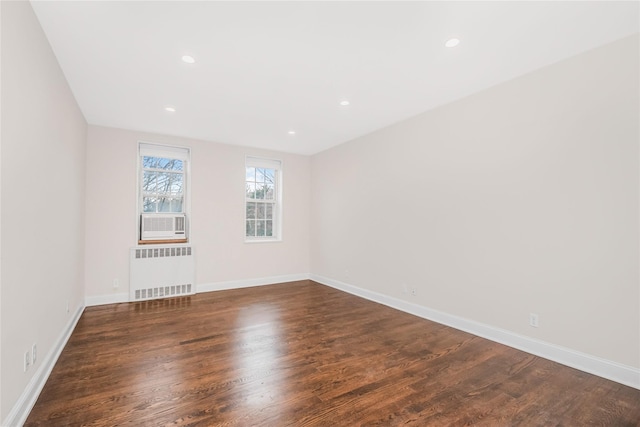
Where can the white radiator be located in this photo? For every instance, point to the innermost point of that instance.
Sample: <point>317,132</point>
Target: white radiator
<point>161,272</point>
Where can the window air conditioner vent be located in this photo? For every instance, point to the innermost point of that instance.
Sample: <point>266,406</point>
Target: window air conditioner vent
<point>163,227</point>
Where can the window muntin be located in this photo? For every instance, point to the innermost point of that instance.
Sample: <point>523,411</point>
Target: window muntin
<point>262,199</point>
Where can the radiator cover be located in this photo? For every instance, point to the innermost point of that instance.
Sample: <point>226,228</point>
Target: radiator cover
<point>161,272</point>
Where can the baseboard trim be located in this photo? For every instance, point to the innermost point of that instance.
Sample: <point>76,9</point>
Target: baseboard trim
<point>608,369</point>
<point>106,299</point>
<point>604,368</point>
<point>20,411</point>
<point>204,287</point>
<point>248,283</point>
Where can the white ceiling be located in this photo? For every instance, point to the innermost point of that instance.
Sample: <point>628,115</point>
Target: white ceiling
<point>265,68</point>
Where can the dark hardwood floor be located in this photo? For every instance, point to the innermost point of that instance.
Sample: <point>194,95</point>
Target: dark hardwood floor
<point>302,354</point>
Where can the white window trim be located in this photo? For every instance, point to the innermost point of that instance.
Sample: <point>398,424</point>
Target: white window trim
<point>163,150</point>
<point>263,162</point>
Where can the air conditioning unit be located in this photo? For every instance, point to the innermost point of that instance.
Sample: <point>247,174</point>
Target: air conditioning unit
<point>163,227</point>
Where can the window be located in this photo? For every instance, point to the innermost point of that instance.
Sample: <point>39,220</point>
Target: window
<point>263,196</point>
<point>163,177</point>
<point>162,184</point>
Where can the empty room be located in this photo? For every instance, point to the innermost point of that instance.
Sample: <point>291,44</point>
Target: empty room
<point>319,213</point>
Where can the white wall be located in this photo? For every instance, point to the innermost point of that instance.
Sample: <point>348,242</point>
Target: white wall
<point>217,213</point>
<point>522,198</point>
<point>42,178</point>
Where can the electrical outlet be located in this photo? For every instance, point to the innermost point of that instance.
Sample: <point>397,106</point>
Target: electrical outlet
<point>116,283</point>
<point>34,354</point>
<point>413,291</point>
<point>533,320</point>
<point>27,360</point>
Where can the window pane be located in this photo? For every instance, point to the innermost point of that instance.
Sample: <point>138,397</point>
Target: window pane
<point>251,190</point>
<point>261,211</point>
<point>149,162</point>
<point>269,192</point>
<point>260,228</point>
<point>251,210</point>
<point>176,205</point>
<point>164,205</point>
<point>269,176</point>
<point>163,182</point>
<point>149,204</point>
<point>260,190</point>
<point>269,230</point>
<point>259,175</point>
<point>148,182</point>
<point>176,183</point>
<point>169,164</point>
<point>163,163</point>
<point>268,211</point>
<point>251,228</point>
<point>250,174</point>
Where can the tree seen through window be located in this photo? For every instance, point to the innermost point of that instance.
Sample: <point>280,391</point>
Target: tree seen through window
<point>162,185</point>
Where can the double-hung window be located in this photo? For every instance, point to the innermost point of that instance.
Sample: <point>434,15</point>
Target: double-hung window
<point>263,199</point>
<point>163,184</point>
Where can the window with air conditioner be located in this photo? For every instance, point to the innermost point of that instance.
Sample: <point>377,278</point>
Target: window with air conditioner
<point>162,202</point>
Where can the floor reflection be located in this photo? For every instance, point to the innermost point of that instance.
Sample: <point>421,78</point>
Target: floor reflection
<point>258,354</point>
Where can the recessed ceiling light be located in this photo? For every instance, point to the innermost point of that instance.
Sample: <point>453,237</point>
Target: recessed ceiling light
<point>344,103</point>
<point>292,132</point>
<point>188,59</point>
<point>452,43</point>
<point>170,109</point>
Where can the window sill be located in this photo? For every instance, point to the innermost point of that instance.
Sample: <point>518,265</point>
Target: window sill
<point>270,240</point>
<point>162,242</point>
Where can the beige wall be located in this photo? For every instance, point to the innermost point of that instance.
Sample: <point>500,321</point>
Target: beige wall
<point>217,212</point>
<point>522,198</point>
<point>42,242</point>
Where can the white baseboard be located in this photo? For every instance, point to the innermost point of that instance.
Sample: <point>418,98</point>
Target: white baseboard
<point>247,283</point>
<point>204,287</point>
<point>20,411</point>
<point>106,299</point>
<point>608,369</point>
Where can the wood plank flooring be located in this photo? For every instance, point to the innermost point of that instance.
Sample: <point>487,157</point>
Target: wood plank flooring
<point>303,354</point>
